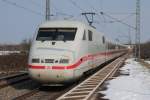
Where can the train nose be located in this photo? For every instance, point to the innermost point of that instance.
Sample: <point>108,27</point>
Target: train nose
<point>51,76</point>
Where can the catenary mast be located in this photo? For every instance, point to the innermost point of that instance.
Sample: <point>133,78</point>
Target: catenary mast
<point>47,17</point>
<point>137,38</point>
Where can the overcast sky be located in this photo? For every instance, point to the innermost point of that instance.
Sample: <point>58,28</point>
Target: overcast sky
<point>20,18</point>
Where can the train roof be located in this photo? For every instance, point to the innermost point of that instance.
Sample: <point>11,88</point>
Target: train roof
<point>73,24</point>
<point>63,23</point>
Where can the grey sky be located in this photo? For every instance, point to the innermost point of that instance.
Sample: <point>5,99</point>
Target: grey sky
<point>17,23</point>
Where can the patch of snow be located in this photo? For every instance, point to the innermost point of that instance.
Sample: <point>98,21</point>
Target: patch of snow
<point>148,62</point>
<point>8,52</point>
<point>136,86</point>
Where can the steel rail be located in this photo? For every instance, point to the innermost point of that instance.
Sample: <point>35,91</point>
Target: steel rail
<point>28,94</point>
<point>85,89</point>
<point>13,79</point>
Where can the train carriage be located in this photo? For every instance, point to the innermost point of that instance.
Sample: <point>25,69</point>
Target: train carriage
<point>62,51</point>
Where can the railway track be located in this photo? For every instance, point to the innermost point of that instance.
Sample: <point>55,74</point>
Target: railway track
<point>13,79</point>
<point>45,93</point>
<point>22,97</point>
<point>84,90</point>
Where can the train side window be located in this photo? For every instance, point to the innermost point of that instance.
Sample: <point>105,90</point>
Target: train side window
<point>90,35</point>
<point>103,39</point>
<point>84,36</point>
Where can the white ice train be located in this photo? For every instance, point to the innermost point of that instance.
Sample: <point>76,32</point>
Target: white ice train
<point>62,51</point>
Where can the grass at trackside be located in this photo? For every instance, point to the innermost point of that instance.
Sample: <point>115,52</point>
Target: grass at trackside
<point>14,62</point>
<point>142,62</point>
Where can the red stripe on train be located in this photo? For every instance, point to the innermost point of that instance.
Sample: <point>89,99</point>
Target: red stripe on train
<point>56,67</point>
<point>83,59</point>
<point>61,67</point>
<point>36,67</point>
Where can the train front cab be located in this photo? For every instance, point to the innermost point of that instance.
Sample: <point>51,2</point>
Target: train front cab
<point>52,55</point>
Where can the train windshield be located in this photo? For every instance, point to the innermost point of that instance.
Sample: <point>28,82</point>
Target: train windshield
<point>56,34</point>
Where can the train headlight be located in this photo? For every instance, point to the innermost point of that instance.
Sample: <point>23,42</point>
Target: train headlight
<point>49,60</point>
<point>35,60</point>
<point>64,61</point>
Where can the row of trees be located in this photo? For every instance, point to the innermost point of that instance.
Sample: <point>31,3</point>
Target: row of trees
<point>145,50</point>
<point>24,46</point>
<point>15,61</point>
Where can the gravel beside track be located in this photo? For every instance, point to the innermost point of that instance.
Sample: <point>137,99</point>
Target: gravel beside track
<point>86,89</point>
<point>12,91</point>
<point>6,74</point>
<point>48,93</point>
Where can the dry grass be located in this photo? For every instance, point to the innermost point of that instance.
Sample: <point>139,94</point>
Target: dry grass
<point>142,62</point>
<point>13,62</point>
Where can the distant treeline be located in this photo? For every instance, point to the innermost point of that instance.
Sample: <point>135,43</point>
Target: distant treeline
<point>145,50</point>
<point>15,61</point>
<point>8,47</point>
<point>24,46</point>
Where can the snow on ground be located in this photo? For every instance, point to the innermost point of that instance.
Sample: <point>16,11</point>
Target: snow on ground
<point>135,86</point>
<point>8,52</point>
<point>148,62</point>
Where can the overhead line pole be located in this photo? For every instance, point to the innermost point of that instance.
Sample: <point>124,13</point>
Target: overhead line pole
<point>138,38</point>
<point>47,16</point>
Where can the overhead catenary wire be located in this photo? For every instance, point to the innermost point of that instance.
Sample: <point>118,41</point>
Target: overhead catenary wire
<point>61,13</point>
<point>81,9</point>
<point>22,7</point>
<point>91,6</point>
<point>127,17</point>
<point>122,13</point>
<point>64,14</point>
<point>100,16</point>
<point>57,11</point>
<point>101,2</point>
<point>117,20</point>
<point>94,9</point>
<point>97,12</point>
<point>34,3</point>
<point>76,5</point>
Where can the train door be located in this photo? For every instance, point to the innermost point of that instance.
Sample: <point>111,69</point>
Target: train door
<point>90,48</point>
<point>105,43</point>
<point>83,52</point>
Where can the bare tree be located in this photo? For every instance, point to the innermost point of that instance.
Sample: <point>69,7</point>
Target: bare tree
<point>25,46</point>
<point>145,50</point>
